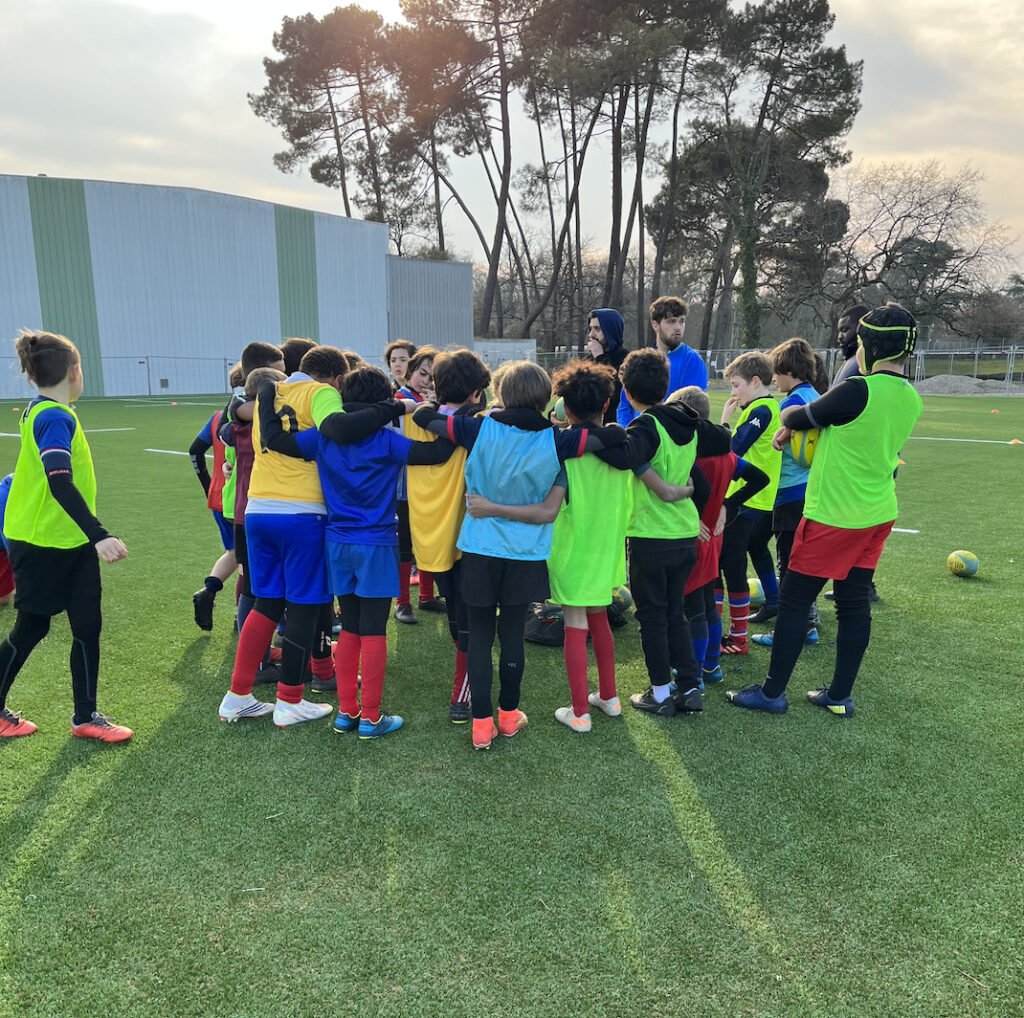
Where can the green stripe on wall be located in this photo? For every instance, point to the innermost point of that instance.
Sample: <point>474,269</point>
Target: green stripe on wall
<point>296,272</point>
<point>67,298</point>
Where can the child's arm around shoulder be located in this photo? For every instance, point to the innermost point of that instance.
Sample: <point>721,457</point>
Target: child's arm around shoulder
<point>345,428</point>
<point>571,443</point>
<point>272,434</point>
<point>637,448</point>
<point>430,454</point>
<point>462,429</point>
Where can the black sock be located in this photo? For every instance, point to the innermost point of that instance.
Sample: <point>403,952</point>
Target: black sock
<point>213,585</point>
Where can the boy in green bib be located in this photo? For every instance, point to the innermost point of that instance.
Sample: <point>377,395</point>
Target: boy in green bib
<point>849,509</point>
<point>55,540</point>
<point>663,536</point>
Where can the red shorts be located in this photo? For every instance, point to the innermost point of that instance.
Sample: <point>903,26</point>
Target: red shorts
<point>6,574</point>
<point>831,552</point>
<point>706,568</point>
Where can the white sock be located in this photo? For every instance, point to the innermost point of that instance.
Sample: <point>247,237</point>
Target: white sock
<point>660,693</point>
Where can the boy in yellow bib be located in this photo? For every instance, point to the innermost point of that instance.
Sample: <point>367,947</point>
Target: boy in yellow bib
<point>748,529</point>
<point>54,537</point>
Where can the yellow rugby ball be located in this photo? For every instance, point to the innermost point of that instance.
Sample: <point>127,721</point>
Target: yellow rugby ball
<point>962,563</point>
<point>802,444</point>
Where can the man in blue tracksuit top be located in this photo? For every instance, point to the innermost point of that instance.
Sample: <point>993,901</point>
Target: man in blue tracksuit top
<point>685,366</point>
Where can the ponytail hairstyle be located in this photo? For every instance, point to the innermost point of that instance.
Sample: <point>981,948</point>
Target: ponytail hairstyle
<point>45,357</point>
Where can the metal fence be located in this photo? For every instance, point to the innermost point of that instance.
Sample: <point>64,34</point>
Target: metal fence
<point>154,375</point>
<point>144,375</point>
<point>1004,365</point>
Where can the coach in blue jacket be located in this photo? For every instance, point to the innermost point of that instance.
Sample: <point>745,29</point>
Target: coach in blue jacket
<point>685,366</point>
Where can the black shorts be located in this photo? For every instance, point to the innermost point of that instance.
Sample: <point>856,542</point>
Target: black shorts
<point>49,580</point>
<point>488,581</point>
<point>241,547</point>
<point>786,517</point>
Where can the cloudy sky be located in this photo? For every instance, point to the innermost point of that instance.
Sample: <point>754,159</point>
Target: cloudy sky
<point>154,92</point>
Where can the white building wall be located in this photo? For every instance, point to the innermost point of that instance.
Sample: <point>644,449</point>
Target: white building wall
<point>352,285</point>
<point>183,280</point>
<point>431,303</point>
<point>19,292</point>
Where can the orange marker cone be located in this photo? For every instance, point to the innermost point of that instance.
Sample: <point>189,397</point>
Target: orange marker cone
<point>1015,441</point>
<point>995,411</point>
<point>902,463</point>
<point>175,404</point>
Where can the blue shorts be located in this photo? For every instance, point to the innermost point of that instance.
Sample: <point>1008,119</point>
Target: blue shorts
<point>368,570</point>
<point>286,557</point>
<point>227,530</point>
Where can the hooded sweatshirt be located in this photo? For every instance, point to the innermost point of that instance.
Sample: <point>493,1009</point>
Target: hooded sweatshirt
<point>612,326</point>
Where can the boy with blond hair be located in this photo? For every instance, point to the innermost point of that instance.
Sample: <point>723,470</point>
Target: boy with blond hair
<point>748,527</point>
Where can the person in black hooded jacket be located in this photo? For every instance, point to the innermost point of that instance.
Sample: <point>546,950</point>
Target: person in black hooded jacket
<point>604,344</point>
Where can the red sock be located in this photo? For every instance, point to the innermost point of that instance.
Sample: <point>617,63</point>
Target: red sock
<point>374,657</point>
<point>460,687</point>
<point>576,668</point>
<point>404,572</point>
<point>252,645</point>
<point>604,650</point>
<point>321,667</point>
<point>739,612</point>
<point>290,694</point>
<point>426,585</point>
<point>346,671</point>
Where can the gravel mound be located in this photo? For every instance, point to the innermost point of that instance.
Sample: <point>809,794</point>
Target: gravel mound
<point>965,385</point>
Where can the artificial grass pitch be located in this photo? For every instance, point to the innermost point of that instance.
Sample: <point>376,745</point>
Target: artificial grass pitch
<point>728,864</point>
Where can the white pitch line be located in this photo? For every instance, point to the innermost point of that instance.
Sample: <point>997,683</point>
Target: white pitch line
<point>977,441</point>
<point>169,452</point>
<point>900,530</point>
<point>88,431</point>
<point>140,406</point>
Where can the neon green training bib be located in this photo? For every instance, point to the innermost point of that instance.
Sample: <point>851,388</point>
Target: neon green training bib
<point>33,515</point>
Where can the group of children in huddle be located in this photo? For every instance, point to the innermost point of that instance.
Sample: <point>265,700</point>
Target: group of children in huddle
<point>506,506</point>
